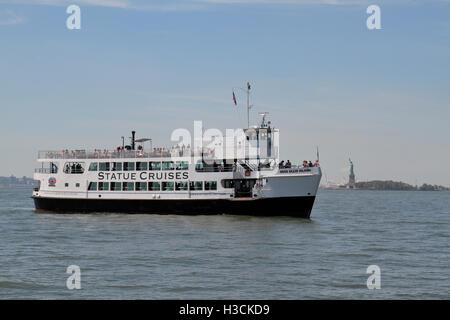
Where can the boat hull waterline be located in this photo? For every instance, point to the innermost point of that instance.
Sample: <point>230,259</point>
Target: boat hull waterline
<point>284,206</point>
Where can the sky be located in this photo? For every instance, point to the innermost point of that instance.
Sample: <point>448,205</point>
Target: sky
<point>380,97</point>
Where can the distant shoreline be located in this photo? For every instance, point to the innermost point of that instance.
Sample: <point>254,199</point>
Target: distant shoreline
<point>12,181</point>
<point>388,185</point>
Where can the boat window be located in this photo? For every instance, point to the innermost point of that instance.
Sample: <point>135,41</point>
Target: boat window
<point>199,166</point>
<point>263,135</point>
<point>227,183</point>
<point>168,165</point>
<point>167,186</point>
<point>210,185</point>
<point>182,165</point>
<point>141,166</point>
<point>103,166</point>
<point>103,186</point>
<point>115,186</point>
<point>74,167</point>
<point>93,166</point>
<point>92,186</point>
<point>183,185</point>
<point>66,185</point>
<point>196,185</point>
<point>77,185</point>
<point>128,166</point>
<point>154,165</point>
<point>154,186</point>
<point>141,186</point>
<point>116,166</point>
<point>53,167</point>
<point>128,186</point>
<point>251,134</point>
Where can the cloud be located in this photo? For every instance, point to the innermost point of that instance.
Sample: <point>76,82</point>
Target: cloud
<point>8,17</point>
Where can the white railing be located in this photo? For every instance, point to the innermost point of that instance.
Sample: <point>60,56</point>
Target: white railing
<point>118,154</point>
<point>109,154</point>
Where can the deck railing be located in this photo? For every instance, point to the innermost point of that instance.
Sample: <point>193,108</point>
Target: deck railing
<point>128,154</point>
<point>108,154</point>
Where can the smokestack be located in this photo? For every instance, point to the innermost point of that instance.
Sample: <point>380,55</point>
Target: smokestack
<point>133,133</point>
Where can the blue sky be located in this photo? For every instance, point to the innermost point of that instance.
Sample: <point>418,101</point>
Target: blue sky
<point>380,97</point>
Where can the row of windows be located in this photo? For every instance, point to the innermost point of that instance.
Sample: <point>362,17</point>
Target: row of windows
<point>153,186</point>
<point>138,166</point>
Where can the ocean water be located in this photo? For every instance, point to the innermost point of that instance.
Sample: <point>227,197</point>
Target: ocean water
<point>406,234</point>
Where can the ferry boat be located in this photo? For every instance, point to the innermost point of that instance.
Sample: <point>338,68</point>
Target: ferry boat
<point>180,180</point>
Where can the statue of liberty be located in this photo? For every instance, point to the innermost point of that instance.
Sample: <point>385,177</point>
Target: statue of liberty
<point>351,177</point>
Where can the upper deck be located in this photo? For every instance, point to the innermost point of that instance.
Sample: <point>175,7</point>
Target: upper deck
<point>251,143</point>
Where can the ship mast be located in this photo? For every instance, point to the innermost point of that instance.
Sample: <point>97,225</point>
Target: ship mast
<point>248,104</point>
<point>248,101</point>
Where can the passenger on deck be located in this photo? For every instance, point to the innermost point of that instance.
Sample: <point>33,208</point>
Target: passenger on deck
<point>310,164</point>
<point>305,163</point>
<point>281,165</point>
<point>316,164</point>
<point>288,164</point>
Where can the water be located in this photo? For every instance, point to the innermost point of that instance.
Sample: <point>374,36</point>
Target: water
<point>406,234</point>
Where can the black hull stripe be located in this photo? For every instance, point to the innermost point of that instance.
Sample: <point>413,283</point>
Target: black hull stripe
<point>286,206</point>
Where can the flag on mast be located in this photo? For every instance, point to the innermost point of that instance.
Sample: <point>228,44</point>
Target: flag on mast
<point>234,99</point>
